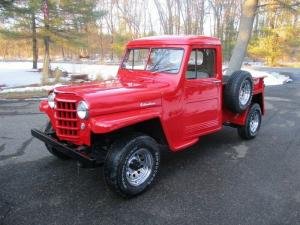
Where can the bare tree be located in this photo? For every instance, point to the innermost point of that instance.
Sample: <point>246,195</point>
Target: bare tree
<point>245,30</point>
<point>162,16</point>
<point>181,16</point>
<point>110,20</point>
<point>133,14</point>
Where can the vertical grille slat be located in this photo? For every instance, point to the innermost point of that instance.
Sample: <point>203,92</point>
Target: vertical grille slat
<point>67,121</point>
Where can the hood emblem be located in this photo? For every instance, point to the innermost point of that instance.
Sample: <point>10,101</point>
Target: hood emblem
<point>146,104</point>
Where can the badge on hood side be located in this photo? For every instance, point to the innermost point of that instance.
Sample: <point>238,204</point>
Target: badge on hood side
<point>146,104</point>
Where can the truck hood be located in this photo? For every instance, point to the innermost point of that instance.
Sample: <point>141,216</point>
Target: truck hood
<point>116,95</point>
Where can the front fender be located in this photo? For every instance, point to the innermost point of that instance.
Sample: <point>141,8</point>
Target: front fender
<point>110,122</point>
<point>45,108</point>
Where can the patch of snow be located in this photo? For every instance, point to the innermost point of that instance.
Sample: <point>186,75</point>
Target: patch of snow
<point>14,74</point>
<point>28,89</point>
<point>271,78</point>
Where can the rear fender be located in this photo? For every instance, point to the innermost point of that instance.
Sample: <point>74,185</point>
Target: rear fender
<point>234,118</point>
<point>259,99</point>
<point>258,92</point>
<point>240,118</point>
<point>111,122</point>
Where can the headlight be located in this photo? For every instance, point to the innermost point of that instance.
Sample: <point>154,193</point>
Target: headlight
<point>51,102</point>
<point>82,110</point>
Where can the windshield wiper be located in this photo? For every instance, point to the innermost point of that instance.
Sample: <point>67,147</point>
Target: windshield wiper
<point>154,67</point>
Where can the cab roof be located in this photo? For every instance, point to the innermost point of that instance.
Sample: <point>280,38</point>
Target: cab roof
<point>174,40</point>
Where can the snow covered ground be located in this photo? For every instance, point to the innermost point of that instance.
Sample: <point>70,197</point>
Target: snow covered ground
<point>17,74</point>
<point>93,70</point>
<point>13,74</point>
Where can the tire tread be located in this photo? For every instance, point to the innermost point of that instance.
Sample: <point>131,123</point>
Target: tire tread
<point>114,159</point>
<point>243,131</point>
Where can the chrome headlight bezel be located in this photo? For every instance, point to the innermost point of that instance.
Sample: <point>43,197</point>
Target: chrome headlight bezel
<point>51,101</point>
<point>82,110</point>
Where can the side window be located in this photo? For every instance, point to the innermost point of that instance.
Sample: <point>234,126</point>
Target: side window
<point>201,64</point>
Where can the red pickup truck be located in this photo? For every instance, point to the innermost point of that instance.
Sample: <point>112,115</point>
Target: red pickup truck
<point>169,91</point>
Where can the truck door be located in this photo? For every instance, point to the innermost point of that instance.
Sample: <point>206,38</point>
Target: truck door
<point>202,94</point>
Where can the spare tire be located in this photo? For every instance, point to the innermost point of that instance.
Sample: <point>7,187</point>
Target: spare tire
<point>238,91</point>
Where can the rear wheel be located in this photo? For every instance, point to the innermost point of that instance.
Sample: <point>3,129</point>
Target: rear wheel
<point>132,164</point>
<point>253,121</point>
<point>49,130</point>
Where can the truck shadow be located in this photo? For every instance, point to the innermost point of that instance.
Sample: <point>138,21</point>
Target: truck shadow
<point>209,148</point>
<point>56,186</point>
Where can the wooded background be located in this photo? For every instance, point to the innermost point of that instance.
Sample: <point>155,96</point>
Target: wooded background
<point>99,29</point>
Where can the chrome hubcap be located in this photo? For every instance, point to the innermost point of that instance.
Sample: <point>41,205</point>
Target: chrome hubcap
<point>245,92</point>
<point>254,122</point>
<point>139,167</point>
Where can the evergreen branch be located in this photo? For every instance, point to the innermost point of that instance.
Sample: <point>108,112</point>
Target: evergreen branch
<point>14,34</point>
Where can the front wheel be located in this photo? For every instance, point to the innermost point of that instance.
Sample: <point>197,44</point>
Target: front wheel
<point>253,121</point>
<point>132,164</point>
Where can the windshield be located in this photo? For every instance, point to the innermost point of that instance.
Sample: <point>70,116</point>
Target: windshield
<point>160,59</point>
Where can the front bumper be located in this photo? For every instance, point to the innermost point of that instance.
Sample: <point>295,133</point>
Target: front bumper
<point>75,153</point>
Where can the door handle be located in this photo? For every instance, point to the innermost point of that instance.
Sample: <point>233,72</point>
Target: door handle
<point>216,81</point>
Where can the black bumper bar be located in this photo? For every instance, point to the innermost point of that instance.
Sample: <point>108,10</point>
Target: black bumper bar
<point>71,152</point>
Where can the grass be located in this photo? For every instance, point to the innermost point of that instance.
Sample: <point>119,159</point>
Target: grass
<point>24,95</point>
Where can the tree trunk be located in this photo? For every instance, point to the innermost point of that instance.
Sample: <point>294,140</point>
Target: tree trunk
<point>46,64</point>
<point>170,17</point>
<point>101,42</point>
<point>63,54</point>
<point>5,53</point>
<point>34,42</point>
<point>162,16</point>
<point>245,29</point>
<point>295,21</point>
<point>188,17</point>
<point>201,20</point>
<point>177,14</point>
<point>112,49</point>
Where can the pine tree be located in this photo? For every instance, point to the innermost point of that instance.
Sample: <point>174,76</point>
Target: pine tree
<point>63,22</point>
<point>23,14</point>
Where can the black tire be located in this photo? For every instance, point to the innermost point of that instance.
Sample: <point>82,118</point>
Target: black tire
<point>118,161</point>
<point>238,81</point>
<point>53,151</point>
<point>246,132</point>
